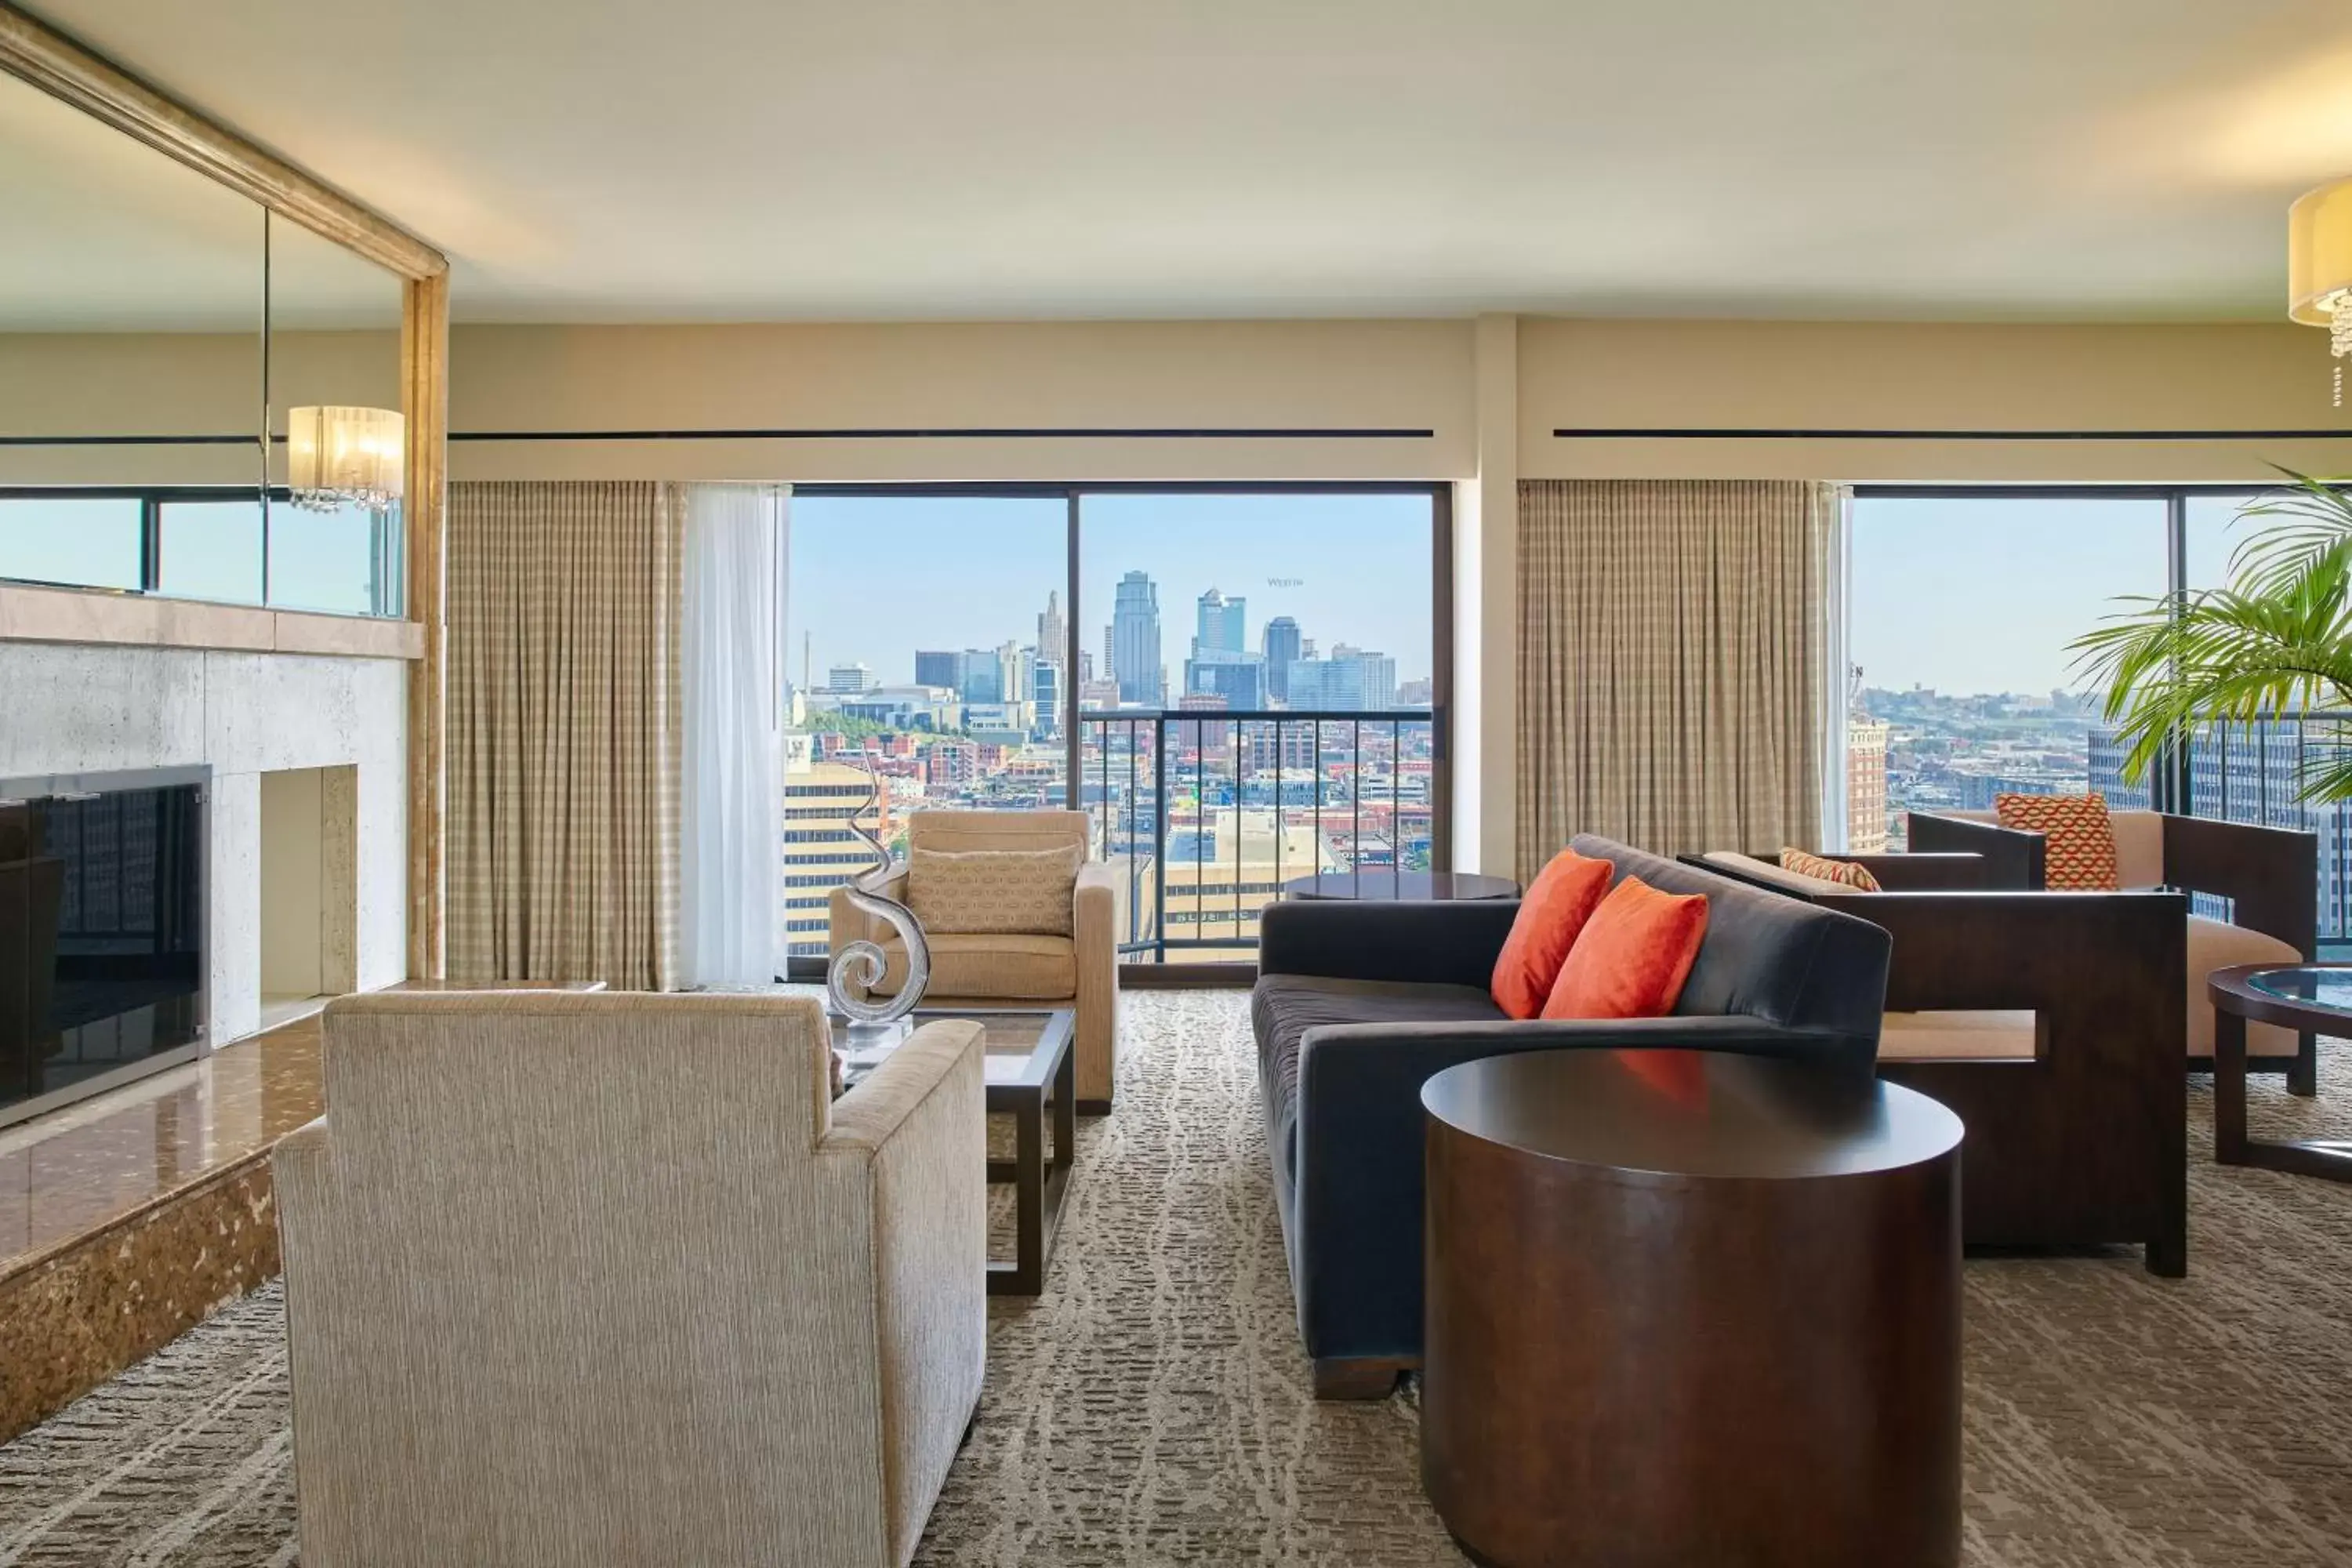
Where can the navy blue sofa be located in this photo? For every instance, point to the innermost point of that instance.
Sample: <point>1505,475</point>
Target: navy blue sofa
<point>1357,1004</point>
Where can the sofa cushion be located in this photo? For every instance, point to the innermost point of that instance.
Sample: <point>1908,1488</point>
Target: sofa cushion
<point>1558,903</point>
<point>1634,955</point>
<point>996,966</point>
<point>1283,1007</point>
<point>2215,945</point>
<point>2078,850</point>
<point>993,891</point>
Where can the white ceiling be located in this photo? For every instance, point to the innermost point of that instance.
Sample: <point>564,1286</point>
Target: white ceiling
<point>610,160</point>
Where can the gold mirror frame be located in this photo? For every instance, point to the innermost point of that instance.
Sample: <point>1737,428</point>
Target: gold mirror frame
<point>36,53</point>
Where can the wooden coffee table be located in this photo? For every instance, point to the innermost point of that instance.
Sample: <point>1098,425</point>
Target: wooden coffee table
<point>1691,1308</point>
<point>2316,997</point>
<point>1028,1067</point>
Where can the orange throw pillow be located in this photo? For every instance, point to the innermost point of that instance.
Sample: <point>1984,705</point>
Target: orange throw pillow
<point>2078,850</point>
<point>1632,956</point>
<point>1558,903</point>
<point>1845,873</point>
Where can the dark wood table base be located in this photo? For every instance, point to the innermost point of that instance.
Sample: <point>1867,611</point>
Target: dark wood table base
<point>2329,1159</point>
<point>1039,1176</point>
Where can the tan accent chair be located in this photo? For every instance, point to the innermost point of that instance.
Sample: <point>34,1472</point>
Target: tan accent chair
<point>1079,971</point>
<point>609,1278</point>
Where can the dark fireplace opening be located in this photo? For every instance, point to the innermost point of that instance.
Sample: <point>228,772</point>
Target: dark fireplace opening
<point>102,932</point>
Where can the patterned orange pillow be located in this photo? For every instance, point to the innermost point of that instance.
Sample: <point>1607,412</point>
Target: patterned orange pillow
<point>2078,850</point>
<point>1845,873</point>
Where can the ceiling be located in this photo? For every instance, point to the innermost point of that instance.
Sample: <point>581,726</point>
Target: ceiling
<point>734,160</point>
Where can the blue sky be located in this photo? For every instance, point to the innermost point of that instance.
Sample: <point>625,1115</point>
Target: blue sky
<point>1977,596</point>
<point>875,577</point>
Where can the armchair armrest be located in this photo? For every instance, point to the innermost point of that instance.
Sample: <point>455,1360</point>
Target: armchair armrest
<point>869,1116</point>
<point>2270,875</point>
<point>1097,913</point>
<point>914,1138</point>
<point>2013,857</point>
<point>1926,871</point>
<point>1444,944</point>
<point>1357,1253</point>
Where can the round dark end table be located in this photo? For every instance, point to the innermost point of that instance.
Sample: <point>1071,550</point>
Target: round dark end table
<point>1379,882</point>
<point>1691,1308</point>
<point>2316,997</point>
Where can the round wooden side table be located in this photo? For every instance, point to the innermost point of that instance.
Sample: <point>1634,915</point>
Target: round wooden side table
<point>1690,1309</point>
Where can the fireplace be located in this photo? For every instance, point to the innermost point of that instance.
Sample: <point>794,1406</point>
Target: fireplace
<point>101,933</point>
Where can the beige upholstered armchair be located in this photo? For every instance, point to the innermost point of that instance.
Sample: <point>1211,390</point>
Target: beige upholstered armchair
<point>1080,971</point>
<point>608,1279</point>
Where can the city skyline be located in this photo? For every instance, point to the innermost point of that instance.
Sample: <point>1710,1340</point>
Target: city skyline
<point>873,579</point>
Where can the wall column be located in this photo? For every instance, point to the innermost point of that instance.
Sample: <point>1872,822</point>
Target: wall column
<point>1486,614</point>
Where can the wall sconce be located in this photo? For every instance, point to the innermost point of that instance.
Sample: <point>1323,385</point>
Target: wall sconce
<point>344,456</point>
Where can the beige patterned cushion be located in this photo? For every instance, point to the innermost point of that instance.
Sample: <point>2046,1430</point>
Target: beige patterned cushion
<point>1019,892</point>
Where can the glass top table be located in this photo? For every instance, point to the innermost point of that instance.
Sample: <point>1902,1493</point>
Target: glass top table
<point>1019,1046</point>
<point>2327,986</point>
<point>1029,1069</point>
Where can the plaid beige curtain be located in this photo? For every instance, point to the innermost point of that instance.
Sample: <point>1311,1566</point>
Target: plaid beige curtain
<point>1672,662</point>
<point>564,732</point>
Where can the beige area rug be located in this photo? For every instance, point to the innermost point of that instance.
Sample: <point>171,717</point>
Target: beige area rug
<point>1152,1406</point>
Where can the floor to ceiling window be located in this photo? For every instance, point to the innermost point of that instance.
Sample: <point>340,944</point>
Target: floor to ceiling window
<point>1961,609</point>
<point>1238,688</point>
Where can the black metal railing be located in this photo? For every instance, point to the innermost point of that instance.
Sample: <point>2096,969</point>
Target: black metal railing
<point>1211,811</point>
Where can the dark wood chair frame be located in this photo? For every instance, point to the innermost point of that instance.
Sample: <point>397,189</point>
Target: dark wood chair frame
<point>2270,875</point>
<point>2086,1142</point>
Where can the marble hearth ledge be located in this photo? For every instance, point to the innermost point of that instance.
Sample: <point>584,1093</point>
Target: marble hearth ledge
<point>29,614</point>
<point>128,1219</point>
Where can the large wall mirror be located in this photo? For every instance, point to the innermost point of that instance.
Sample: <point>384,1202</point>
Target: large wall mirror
<point>199,398</point>
<point>133,316</point>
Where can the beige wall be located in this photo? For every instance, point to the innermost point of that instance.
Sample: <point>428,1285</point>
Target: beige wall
<point>1063,376</point>
<point>1848,376</point>
<point>173,384</point>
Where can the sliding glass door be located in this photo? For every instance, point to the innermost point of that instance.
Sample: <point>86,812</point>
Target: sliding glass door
<point>1239,686</point>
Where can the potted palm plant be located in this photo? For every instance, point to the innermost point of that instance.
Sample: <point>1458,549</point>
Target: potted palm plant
<point>2276,643</point>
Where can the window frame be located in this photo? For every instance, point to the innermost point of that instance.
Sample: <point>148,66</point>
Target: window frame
<point>387,550</point>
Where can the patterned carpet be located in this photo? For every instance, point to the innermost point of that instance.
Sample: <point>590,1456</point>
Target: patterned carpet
<point>1152,1407</point>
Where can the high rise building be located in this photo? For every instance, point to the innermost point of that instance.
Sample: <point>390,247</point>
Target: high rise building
<point>850,677</point>
<point>820,801</point>
<point>1013,681</point>
<point>1282,650</point>
<point>1238,678</point>
<point>939,666</point>
<point>1220,624</point>
<point>1866,786</point>
<point>1053,631</point>
<point>1135,658</point>
<point>1351,680</point>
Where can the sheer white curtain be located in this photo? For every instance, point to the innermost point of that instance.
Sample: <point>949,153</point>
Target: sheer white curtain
<point>733,656</point>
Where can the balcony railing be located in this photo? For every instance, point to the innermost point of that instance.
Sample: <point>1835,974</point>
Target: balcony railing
<point>2253,772</point>
<point>1210,813</point>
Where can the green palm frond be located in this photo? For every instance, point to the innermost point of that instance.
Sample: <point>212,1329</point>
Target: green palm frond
<point>2277,642</point>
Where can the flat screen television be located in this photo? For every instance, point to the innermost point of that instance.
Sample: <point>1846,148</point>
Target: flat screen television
<point>101,933</point>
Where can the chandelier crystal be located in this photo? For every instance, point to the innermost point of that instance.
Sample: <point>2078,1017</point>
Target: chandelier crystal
<point>338,456</point>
